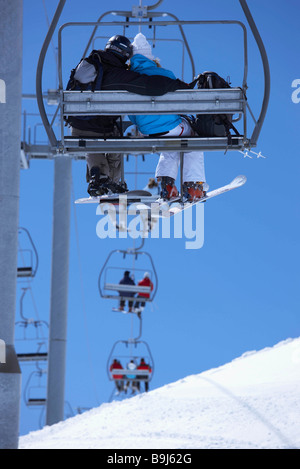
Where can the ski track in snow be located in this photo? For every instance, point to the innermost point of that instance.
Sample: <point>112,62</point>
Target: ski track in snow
<point>251,403</point>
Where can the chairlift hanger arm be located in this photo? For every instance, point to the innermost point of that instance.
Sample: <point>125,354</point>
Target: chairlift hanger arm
<point>266,68</point>
<point>152,7</point>
<point>128,14</point>
<point>39,73</point>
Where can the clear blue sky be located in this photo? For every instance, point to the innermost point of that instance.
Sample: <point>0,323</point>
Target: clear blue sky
<point>239,292</point>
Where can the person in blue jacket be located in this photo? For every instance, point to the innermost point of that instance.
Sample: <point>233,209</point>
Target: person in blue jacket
<point>143,61</point>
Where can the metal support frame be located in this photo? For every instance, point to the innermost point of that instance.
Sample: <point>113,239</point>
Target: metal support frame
<point>60,253</point>
<point>11,32</point>
<point>59,290</point>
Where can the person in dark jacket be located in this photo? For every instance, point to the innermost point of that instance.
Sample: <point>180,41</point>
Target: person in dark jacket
<point>104,170</point>
<point>126,280</point>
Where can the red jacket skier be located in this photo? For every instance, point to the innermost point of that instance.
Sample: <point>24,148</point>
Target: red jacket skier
<point>144,366</point>
<point>145,282</point>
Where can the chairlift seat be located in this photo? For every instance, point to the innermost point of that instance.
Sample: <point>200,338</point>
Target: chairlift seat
<point>24,272</point>
<point>32,357</point>
<point>124,372</point>
<point>79,147</point>
<point>36,402</point>
<point>127,288</point>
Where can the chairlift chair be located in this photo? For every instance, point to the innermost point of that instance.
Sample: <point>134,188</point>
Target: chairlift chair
<point>35,391</point>
<point>33,357</point>
<point>27,258</point>
<point>229,101</point>
<point>113,269</point>
<point>33,329</point>
<point>120,352</point>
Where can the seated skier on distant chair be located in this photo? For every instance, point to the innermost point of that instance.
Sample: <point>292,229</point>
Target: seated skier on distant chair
<point>134,385</point>
<point>118,379</point>
<point>145,282</point>
<point>126,280</point>
<point>145,367</point>
<point>143,61</point>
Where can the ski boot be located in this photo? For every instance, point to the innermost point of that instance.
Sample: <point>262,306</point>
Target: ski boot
<point>114,187</point>
<point>100,184</point>
<point>97,182</point>
<point>168,188</point>
<point>193,191</point>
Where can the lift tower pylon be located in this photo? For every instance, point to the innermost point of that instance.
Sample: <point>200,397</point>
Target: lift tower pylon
<point>11,45</point>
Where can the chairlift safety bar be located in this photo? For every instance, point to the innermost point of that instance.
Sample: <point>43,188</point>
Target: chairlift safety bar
<point>32,357</point>
<point>221,101</point>
<point>127,288</point>
<point>117,371</point>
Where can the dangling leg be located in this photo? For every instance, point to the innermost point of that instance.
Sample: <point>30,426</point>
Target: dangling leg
<point>115,173</point>
<point>193,176</point>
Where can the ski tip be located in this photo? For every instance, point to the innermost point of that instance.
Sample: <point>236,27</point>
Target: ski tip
<point>88,200</point>
<point>240,180</point>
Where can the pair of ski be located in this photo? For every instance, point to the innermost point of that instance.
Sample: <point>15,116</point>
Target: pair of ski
<point>169,208</point>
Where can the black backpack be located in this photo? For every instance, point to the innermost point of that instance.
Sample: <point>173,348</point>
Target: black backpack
<point>213,125</point>
<point>86,76</point>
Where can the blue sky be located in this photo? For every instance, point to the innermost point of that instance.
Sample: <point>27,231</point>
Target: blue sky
<point>240,291</point>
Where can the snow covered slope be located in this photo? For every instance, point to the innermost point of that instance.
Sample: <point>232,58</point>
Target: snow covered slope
<point>252,402</point>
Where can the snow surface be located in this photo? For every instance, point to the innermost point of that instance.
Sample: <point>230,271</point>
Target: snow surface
<point>251,403</point>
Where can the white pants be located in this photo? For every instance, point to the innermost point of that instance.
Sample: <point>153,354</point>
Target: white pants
<point>193,162</point>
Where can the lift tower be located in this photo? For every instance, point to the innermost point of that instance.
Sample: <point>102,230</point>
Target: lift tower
<point>11,45</point>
